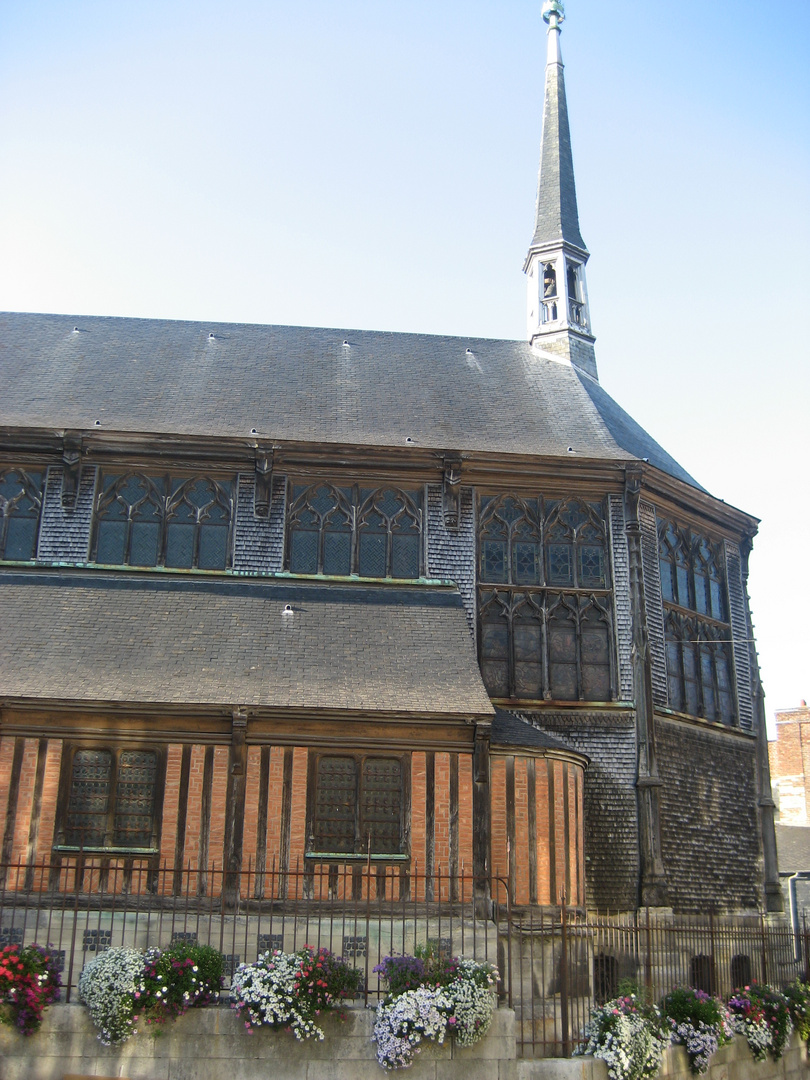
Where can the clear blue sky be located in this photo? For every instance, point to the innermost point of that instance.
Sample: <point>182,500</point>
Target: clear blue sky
<point>373,165</point>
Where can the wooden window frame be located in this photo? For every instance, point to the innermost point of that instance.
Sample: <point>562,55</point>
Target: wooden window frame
<point>63,798</point>
<point>359,757</point>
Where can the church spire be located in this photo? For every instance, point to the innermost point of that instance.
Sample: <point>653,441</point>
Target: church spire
<point>558,318</point>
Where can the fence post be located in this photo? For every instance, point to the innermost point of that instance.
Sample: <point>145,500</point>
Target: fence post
<point>764,949</point>
<point>806,948</point>
<point>712,977</point>
<point>648,959</point>
<point>566,1039</point>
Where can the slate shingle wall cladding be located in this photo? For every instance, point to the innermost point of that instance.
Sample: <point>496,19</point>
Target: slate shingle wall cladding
<point>259,542</point>
<point>652,595</point>
<point>621,596</point>
<point>739,634</point>
<point>64,535</point>
<point>709,828</point>
<point>611,832</point>
<point>451,555</point>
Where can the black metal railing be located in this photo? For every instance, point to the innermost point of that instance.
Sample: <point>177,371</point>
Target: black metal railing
<point>555,963</point>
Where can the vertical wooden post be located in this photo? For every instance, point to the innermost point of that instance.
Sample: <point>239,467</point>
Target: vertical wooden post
<point>235,806</point>
<point>653,877</point>
<point>482,813</point>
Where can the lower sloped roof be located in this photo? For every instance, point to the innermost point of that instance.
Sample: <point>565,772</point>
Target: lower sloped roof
<point>101,637</point>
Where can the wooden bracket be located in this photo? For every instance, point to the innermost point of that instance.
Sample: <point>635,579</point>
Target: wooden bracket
<point>72,471</point>
<point>451,500</point>
<point>263,482</point>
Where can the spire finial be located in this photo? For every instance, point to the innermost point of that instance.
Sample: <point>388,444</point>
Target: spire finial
<point>553,13</point>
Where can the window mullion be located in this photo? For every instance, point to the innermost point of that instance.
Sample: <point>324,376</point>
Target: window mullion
<point>578,651</point>
<point>112,799</point>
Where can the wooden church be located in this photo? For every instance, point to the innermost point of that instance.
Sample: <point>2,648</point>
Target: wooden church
<point>300,597</point>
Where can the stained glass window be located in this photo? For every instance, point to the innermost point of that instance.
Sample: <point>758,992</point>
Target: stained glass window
<point>545,629</point>
<point>374,533</point>
<point>357,806</point>
<point>111,799</point>
<point>698,656</point>
<point>181,522</point>
<point>20,505</point>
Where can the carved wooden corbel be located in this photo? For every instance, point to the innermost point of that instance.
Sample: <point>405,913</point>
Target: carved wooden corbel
<point>263,482</point>
<point>72,468</point>
<point>451,494</point>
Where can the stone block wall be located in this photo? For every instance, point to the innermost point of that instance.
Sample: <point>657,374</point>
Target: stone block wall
<point>208,1044</point>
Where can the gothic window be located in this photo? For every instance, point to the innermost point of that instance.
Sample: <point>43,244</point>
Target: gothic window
<point>699,668</point>
<point>573,281</point>
<point>181,522</point>
<point>537,644</point>
<point>341,531</point>
<point>698,636</point>
<point>549,281</point>
<point>552,646</point>
<point>109,799</point>
<point>356,805</point>
<point>20,505</point>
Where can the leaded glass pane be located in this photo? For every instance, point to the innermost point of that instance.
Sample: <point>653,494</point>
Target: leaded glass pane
<point>405,555</point>
<point>674,675</point>
<point>381,806</point>
<point>88,803</point>
<point>201,493</point>
<point>143,547</point>
<point>707,680</point>
<point>682,579</point>
<point>510,511</point>
<point>560,567</point>
<point>526,560</point>
<point>690,679</point>
<point>528,665</point>
<point>112,537</point>
<point>131,492</point>
<point>21,536</point>
<point>667,583</point>
<point>562,641</point>
<point>701,593</point>
<point>337,553</point>
<point>591,567</point>
<point>372,551</point>
<point>180,544</point>
<point>213,546</point>
<point>333,826</point>
<point>718,607</point>
<point>303,552</point>
<point>493,560</point>
<point>134,798</point>
<point>495,655</point>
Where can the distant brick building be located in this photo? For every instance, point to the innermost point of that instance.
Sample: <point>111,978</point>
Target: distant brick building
<point>789,757</point>
<point>313,597</point>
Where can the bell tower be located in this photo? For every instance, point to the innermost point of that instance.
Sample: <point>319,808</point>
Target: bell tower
<point>558,319</point>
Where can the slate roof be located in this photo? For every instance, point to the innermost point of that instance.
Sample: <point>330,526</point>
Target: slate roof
<point>509,730</point>
<point>793,848</point>
<point>556,217</point>
<point>99,637</point>
<point>302,384</point>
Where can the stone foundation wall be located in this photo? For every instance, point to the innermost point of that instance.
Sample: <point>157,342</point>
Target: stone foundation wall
<point>211,1044</point>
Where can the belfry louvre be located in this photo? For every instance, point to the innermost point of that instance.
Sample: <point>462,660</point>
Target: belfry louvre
<point>328,599</point>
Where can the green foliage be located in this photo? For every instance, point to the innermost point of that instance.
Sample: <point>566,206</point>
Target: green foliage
<point>182,976</point>
<point>797,995</point>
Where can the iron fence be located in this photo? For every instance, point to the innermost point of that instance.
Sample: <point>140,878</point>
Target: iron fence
<point>555,964</point>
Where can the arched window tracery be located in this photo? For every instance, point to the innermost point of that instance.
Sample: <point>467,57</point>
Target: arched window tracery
<point>342,531</point>
<point>20,506</point>
<point>544,602</point>
<point>700,674</point>
<point>178,522</point>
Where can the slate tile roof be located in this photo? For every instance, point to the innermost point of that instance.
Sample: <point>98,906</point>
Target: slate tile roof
<point>107,637</point>
<point>509,730</point>
<point>303,384</point>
